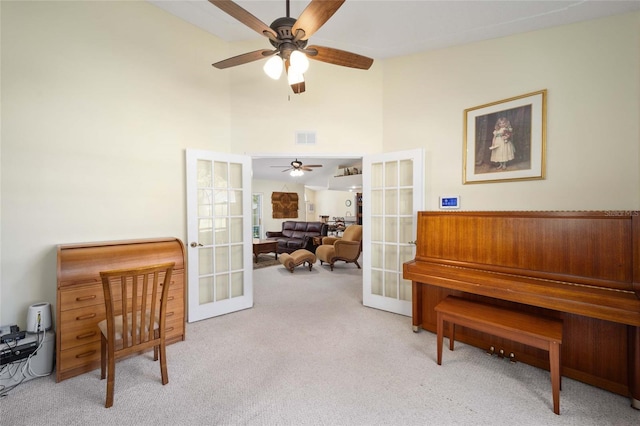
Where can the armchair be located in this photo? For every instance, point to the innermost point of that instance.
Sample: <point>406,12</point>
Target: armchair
<point>347,248</point>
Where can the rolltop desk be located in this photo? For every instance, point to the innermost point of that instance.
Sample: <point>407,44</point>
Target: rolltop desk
<point>80,298</point>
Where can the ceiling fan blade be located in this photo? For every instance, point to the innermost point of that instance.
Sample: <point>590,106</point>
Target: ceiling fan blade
<point>244,58</point>
<point>306,169</point>
<point>314,16</point>
<point>243,16</point>
<point>286,170</point>
<point>313,165</point>
<point>339,57</point>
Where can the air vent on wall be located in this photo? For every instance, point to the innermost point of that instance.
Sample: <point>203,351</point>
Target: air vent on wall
<point>305,138</point>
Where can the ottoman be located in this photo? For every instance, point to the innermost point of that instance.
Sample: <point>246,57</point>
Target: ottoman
<point>296,258</point>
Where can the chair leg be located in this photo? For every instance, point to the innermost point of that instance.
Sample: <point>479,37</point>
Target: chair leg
<point>103,357</point>
<point>357,264</point>
<point>155,348</point>
<point>111,378</point>
<point>163,364</point>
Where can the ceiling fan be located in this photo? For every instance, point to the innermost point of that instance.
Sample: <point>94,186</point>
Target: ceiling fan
<point>297,165</point>
<point>289,37</point>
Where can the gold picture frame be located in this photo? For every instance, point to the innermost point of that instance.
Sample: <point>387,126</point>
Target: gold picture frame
<point>506,140</point>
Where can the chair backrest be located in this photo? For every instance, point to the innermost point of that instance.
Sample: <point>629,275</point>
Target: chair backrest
<point>139,296</point>
<point>352,233</point>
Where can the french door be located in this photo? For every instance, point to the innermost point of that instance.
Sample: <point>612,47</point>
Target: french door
<point>219,233</point>
<point>392,196</point>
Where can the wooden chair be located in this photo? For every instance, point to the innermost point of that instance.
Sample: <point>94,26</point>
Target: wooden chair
<point>135,301</point>
<point>347,248</point>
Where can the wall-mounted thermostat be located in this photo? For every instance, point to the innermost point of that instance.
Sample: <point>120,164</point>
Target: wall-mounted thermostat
<point>450,202</point>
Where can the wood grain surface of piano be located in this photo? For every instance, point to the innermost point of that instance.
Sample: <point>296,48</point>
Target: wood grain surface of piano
<point>582,267</point>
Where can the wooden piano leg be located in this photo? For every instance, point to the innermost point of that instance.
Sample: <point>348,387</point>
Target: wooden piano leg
<point>634,365</point>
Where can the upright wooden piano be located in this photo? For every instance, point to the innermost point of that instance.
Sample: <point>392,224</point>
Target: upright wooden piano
<point>580,267</point>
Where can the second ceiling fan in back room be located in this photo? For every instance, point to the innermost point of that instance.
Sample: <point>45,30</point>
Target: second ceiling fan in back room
<point>289,37</point>
<point>297,168</point>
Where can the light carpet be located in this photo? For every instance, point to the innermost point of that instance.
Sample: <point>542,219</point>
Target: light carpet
<point>309,353</point>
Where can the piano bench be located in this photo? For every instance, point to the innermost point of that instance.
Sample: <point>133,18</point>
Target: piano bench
<point>528,329</point>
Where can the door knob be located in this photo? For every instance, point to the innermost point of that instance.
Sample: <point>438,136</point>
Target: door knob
<point>194,244</point>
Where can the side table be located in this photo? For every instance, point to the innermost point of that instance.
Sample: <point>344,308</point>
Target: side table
<point>264,246</point>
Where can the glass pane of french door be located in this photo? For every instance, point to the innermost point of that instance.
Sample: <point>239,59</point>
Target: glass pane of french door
<point>219,230</point>
<point>393,184</point>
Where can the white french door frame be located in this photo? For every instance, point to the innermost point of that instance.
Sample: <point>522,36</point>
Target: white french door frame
<point>219,234</point>
<point>390,227</point>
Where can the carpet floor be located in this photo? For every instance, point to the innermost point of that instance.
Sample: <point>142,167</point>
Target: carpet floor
<point>309,353</point>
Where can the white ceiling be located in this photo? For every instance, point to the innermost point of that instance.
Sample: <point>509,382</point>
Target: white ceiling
<point>274,169</point>
<point>385,29</point>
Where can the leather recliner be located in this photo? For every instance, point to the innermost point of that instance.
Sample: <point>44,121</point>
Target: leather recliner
<point>346,248</point>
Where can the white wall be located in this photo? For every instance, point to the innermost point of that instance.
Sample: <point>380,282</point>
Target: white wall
<point>266,188</point>
<point>332,203</point>
<point>99,102</point>
<point>592,73</point>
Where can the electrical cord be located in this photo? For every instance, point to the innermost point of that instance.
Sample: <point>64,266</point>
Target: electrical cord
<point>23,366</point>
<point>4,390</point>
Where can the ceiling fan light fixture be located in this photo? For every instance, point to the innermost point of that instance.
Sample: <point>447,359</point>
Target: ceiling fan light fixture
<point>294,77</point>
<point>273,67</point>
<point>296,173</point>
<point>299,62</point>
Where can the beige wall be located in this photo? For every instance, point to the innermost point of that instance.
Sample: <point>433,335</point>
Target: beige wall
<point>266,188</point>
<point>100,100</point>
<point>342,105</point>
<point>592,73</point>
<point>325,202</point>
<point>332,203</point>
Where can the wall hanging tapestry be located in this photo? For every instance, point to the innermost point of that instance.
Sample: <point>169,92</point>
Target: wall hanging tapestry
<point>284,205</point>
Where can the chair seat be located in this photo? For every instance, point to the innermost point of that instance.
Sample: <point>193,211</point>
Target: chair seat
<point>118,323</point>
